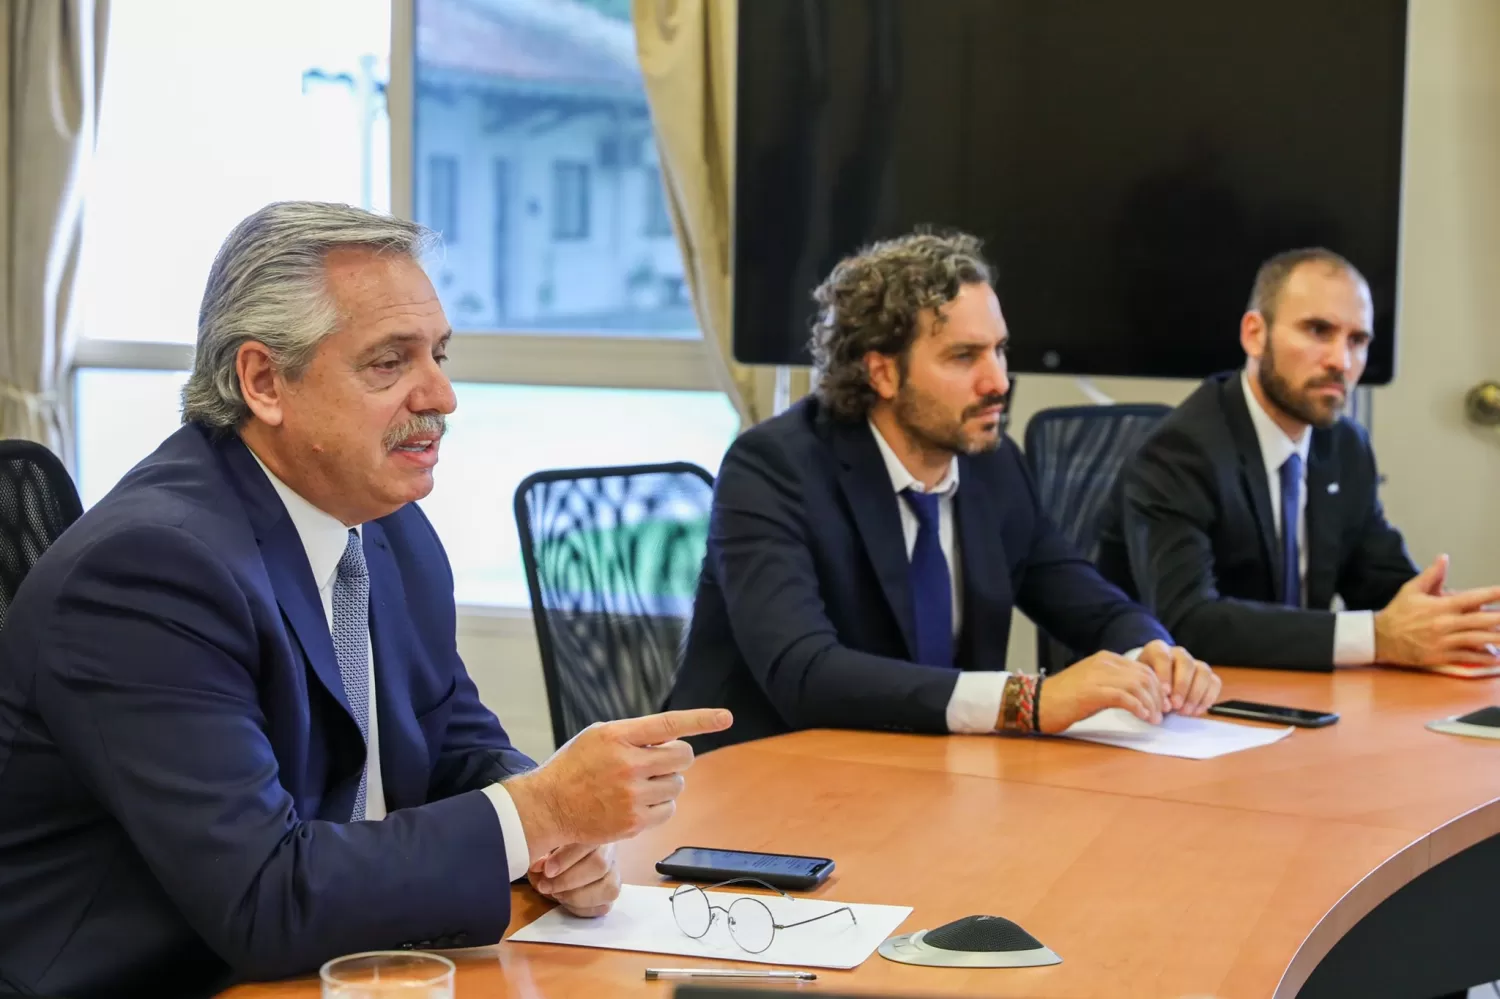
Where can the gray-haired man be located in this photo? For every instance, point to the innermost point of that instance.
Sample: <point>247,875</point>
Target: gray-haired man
<point>236,738</point>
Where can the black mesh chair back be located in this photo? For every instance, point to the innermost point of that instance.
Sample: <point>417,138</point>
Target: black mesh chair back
<point>612,561</point>
<point>37,503</point>
<point>1075,454</point>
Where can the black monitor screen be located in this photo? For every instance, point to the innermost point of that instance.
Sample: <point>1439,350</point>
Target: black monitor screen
<point>1128,164</point>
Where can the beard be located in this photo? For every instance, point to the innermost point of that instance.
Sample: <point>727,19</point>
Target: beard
<point>1301,404</point>
<point>931,429</point>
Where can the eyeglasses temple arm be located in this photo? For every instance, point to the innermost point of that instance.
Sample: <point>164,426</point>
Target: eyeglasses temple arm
<point>814,919</point>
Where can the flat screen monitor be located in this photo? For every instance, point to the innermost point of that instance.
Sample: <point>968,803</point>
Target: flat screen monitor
<point>1128,164</point>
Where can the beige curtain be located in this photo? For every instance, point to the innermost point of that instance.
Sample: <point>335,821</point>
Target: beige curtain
<point>49,100</point>
<point>687,50</point>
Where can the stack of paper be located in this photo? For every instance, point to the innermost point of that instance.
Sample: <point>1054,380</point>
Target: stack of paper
<point>642,920</point>
<point>1189,738</point>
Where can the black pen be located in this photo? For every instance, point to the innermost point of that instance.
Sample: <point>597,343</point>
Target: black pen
<point>655,974</point>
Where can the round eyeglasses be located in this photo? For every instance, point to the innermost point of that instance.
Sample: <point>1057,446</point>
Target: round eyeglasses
<point>751,925</point>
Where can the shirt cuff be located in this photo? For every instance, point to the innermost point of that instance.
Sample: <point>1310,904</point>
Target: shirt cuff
<point>975,703</point>
<point>1354,638</point>
<point>517,856</point>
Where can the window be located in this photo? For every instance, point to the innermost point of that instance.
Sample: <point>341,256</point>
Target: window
<point>658,223</point>
<point>442,197</point>
<point>119,418</point>
<point>570,201</point>
<point>210,111</point>
<point>554,90</point>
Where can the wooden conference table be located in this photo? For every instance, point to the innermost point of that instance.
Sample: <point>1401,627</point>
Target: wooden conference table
<point>1150,876</point>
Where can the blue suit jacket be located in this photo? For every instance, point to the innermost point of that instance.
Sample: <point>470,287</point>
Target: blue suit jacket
<point>178,763</point>
<point>803,617</point>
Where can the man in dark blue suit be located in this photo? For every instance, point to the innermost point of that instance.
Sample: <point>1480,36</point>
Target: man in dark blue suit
<point>866,547</point>
<point>236,739</point>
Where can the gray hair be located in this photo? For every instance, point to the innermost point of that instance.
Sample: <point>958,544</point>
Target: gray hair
<point>1271,278</point>
<point>269,284</point>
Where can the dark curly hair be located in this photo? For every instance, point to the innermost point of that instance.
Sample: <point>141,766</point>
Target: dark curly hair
<point>871,301</point>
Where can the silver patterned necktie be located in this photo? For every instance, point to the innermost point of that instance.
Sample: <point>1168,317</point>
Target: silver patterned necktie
<point>351,645</point>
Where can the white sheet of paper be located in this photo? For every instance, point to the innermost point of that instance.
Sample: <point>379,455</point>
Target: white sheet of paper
<point>1189,738</point>
<point>642,920</point>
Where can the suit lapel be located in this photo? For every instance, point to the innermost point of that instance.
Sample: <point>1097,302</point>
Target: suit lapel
<point>987,599</point>
<point>867,488</point>
<point>285,558</point>
<point>1253,479</point>
<point>403,768</point>
<point>1322,522</point>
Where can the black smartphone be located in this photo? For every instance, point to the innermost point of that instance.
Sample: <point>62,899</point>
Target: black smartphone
<point>781,870</point>
<point>1274,713</point>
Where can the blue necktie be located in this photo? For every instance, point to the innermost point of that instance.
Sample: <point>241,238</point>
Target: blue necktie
<point>931,586</point>
<point>351,645</point>
<point>1291,496</point>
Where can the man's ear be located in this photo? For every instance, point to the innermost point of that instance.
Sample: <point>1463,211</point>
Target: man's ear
<point>1253,333</point>
<point>885,374</point>
<point>260,383</point>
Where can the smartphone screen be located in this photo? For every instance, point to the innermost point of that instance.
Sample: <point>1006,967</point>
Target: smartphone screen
<point>1291,715</point>
<point>749,863</point>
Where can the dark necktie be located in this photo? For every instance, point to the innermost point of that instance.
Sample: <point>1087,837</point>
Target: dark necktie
<point>931,586</point>
<point>1291,496</point>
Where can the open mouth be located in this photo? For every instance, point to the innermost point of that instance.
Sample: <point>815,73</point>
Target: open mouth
<point>417,445</point>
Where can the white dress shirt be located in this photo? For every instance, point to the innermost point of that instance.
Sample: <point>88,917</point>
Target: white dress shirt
<point>1353,631</point>
<point>975,705</point>
<point>324,538</point>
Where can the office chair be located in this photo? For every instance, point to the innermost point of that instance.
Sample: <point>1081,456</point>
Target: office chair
<point>612,559</point>
<point>1075,454</point>
<point>37,503</point>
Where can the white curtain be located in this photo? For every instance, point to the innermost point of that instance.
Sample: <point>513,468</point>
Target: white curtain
<point>49,99</point>
<point>687,50</point>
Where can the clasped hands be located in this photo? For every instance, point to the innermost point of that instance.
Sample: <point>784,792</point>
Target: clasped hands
<point>1162,679</point>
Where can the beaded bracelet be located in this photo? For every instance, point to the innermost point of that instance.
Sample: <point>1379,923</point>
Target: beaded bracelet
<point>1018,703</point>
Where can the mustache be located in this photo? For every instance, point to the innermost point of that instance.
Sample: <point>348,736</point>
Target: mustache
<point>424,425</point>
<point>1329,381</point>
<point>987,402</point>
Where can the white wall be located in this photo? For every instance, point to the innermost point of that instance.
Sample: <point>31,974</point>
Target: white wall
<point>1443,476</point>
<point>499,648</point>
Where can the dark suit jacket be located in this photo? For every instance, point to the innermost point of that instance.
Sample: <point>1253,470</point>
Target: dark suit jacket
<point>803,617</point>
<point>1190,531</point>
<point>178,763</point>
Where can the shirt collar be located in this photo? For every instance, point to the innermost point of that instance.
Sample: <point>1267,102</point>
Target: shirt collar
<point>1275,446</point>
<point>902,480</point>
<point>324,536</point>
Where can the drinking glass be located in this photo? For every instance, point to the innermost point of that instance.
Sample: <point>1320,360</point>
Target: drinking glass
<point>396,974</point>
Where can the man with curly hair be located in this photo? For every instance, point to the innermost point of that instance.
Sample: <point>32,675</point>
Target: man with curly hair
<point>867,546</point>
